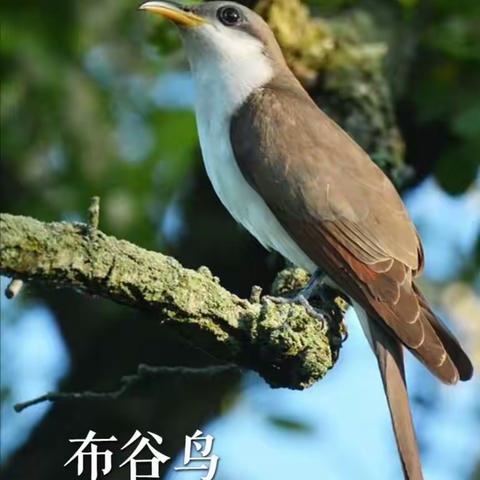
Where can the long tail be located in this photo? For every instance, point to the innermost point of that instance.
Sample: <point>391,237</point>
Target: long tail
<point>389,355</point>
<point>455,354</point>
<point>439,351</point>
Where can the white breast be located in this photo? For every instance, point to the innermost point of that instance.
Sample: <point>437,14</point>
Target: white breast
<point>222,84</point>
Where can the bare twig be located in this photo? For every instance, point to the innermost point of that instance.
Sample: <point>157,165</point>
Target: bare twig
<point>13,288</point>
<point>127,383</point>
<point>255,294</point>
<point>94,213</point>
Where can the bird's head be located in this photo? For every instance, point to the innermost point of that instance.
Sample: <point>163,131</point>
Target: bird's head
<point>224,38</point>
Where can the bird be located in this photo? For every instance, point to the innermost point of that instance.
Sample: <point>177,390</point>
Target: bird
<point>304,188</point>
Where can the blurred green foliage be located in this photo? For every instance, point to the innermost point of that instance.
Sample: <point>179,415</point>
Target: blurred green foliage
<point>291,425</point>
<point>434,67</point>
<point>448,89</point>
<point>78,115</point>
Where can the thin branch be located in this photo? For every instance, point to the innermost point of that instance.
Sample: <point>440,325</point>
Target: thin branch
<point>282,342</point>
<point>127,383</point>
<point>94,213</point>
<point>13,288</point>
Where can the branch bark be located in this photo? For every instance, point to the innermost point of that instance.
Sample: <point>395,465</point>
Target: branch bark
<point>282,342</point>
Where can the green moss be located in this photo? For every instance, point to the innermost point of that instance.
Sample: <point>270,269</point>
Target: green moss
<point>281,342</point>
<point>292,349</point>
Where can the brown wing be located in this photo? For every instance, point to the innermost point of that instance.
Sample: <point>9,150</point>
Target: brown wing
<point>341,210</point>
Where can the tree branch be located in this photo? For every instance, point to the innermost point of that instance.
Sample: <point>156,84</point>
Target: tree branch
<point>127,383</point>
<point>282,342</point>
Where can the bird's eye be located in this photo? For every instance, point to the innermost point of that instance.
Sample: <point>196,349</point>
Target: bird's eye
<point>229,16</point>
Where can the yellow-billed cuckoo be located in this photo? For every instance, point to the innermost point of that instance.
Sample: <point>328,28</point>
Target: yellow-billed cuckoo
<point>297,182</point>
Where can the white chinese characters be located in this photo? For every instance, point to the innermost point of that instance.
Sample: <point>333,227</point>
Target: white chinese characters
<point>93,453</point>
<point>154,462</point>
<point>197,455</point>
<point>202,446</point>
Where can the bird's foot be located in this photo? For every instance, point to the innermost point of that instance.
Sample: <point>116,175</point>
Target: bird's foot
<point>302,297</point>
<point>298,299</point>
<point>332,306</point>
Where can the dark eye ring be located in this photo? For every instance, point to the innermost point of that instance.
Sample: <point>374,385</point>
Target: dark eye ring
<point>229,16</point>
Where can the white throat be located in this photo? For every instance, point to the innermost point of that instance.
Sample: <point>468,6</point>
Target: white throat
<point>227,66</point>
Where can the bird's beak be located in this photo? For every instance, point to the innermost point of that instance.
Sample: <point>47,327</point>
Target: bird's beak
<point>174,12</point>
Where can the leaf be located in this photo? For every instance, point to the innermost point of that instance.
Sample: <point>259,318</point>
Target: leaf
<point>290,424</point>
<point>457,169</point>
<point>467,122</point>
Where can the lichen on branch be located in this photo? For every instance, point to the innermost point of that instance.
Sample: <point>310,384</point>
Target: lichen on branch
<point>282,342</point>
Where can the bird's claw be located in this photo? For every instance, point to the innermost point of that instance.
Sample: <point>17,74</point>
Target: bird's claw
<point>298,299</point>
